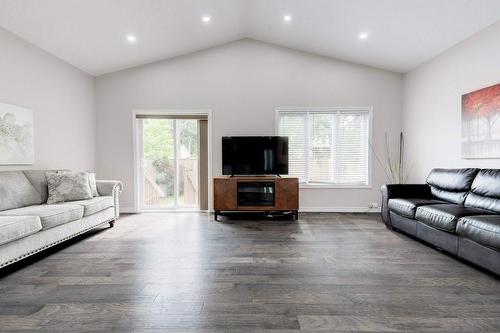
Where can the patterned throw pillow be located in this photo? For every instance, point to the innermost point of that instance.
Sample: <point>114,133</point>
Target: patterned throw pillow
<point>68,186</point>
<point>93,185</point>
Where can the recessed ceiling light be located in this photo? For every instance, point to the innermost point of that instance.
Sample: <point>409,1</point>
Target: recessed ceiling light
<point>206,19</point>
<point>363,35</point>
<point>287,18</point>
<point>131,38</point>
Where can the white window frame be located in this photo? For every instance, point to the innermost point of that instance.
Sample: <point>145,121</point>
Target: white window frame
<point>368,109</point>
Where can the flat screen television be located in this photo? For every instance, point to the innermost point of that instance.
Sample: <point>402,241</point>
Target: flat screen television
<point>254,155</point>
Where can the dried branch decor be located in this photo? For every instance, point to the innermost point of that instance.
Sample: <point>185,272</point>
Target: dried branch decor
<point>394,169</point>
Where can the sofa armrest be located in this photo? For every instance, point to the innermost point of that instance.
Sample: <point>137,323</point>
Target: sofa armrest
<point>112,188</point>
<point>390,191</point>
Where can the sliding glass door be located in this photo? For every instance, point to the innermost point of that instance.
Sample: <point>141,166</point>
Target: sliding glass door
<point>169,166</point>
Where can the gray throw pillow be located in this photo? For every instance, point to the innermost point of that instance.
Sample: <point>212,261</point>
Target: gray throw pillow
<point>92,181</point>
<point>68,186</point>
<point>93,184</point>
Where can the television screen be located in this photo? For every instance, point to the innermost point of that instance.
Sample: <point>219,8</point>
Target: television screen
<point>254,155</point>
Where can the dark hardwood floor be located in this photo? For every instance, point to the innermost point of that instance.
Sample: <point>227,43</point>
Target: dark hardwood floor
<point>184,272</point>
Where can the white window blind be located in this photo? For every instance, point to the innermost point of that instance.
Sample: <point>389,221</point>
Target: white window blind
<point>329,147</point>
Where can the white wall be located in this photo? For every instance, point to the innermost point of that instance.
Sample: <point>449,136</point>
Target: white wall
<point>243,82</point>
<point>432,102</point>
<point>61,97</point>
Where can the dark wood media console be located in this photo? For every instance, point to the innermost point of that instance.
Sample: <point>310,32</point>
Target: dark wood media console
<point>254,194</point>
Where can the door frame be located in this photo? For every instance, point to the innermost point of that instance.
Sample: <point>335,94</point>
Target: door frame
<point>137,142</point>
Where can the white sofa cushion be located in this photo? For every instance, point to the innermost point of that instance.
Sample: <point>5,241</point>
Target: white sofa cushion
<point>17,191</point>
<point>16,227</point>
<point>94,205</point>
<point>50,215</point>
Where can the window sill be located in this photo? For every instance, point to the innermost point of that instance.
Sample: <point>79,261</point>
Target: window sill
<point>333,186</point>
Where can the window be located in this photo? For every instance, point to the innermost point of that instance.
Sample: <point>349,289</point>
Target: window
<point>327,146</point>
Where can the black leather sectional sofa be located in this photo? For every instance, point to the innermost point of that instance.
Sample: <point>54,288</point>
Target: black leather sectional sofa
<point>457,210</point>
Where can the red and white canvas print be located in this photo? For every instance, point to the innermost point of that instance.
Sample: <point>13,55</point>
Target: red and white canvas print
<point>481,123</point>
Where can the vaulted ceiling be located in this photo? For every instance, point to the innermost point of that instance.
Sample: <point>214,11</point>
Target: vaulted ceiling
<point>92,34</point>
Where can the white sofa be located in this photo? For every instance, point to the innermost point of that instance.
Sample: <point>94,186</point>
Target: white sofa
<point>28,225</point>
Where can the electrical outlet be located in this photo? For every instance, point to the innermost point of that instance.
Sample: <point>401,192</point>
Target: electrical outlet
<point>373,205</point>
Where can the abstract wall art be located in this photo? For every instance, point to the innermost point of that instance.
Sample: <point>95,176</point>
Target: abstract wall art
<point>16,135</point>
<point>481,123</point>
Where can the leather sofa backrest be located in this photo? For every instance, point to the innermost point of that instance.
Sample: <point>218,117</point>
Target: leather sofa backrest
<point>451,185</point>
<point>16,191</point>
<point>487,183</point>
<point>485,191</point>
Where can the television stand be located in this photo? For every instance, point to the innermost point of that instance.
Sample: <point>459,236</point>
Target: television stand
<point>256,194</point>
<point>277,175</point>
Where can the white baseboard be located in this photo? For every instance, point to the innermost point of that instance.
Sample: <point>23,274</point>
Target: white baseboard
<point>132,210</point>
<point>128,210</point>
<point>339,210</point>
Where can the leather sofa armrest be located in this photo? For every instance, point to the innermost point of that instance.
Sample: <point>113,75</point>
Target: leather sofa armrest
<point>112,188</point>
<point>390,191</point>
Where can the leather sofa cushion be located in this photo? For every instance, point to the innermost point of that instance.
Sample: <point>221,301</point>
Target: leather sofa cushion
<point>485,191</point>
<point>451,185</point>
<point>445,216</point>
<point>483,202</point>
<point>16,191</point>
<point>487,183</point>
<point>449,196</point>
<point>483,229</point>
<point>455,180</point>
<point>408,206</point>
<point>50,215</point>
<point>94,205</point>
<point>15,227</point>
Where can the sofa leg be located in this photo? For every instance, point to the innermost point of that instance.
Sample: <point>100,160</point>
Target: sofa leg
<point>112,224</point>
